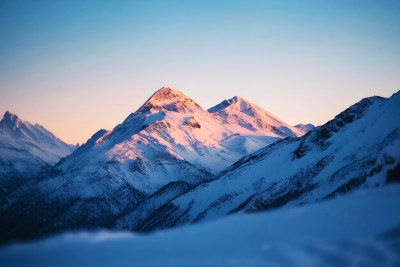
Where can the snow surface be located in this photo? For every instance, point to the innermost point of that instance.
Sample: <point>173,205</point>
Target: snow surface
<point>358,229</point>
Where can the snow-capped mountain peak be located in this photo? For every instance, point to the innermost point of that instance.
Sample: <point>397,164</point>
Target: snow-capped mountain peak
<point>172,130</point>
<point>168,99</point>
<point>26,150</point>
<point>249,115</point>
<point>236,102</point>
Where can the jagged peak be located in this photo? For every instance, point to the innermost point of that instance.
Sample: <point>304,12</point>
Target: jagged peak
<point>165,91</point>
<point>243,104</point>
<point>99,134</point>
<point>166,94</point>
<point>170,99</point>
<point>11,119</point>
<point>236,102</point>
<point>10,116</point>
<point>237,99</point>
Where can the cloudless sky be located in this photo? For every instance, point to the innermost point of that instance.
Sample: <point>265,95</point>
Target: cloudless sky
<point>78,66</point>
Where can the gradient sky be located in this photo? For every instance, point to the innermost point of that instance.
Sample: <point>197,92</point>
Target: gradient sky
<point>78,66</point>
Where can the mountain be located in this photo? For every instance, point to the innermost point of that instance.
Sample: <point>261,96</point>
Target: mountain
<point>140,175</point>
<point>165,148</point>
<point>359,147</point>
<point>242,112</point>
<point>25,150</point>
<point>172,130</point>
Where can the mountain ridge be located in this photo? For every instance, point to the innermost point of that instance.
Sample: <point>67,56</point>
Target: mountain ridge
<point>249,115</point>
<point>359,147</point>
<point>25,151</point>
<point>152,171</point>
<point>172,122</point>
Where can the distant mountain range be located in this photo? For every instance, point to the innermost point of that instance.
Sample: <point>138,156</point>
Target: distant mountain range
<point>172,163</point>
<point>26,150</point>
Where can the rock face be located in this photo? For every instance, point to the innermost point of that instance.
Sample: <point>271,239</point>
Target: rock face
<point>192,122</point>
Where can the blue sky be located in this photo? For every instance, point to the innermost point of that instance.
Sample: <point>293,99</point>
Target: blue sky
<point>78,66</point>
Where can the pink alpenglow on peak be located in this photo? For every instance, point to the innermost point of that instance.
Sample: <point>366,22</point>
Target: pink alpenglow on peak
<point>171,127</point>
<point>249,115</point>
<point>170,100</point>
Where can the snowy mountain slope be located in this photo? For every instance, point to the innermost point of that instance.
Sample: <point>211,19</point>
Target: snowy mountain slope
<point>239,111</point>
<point>120,178</point>
<point>174,127</point>
<point>358,229</point>
<point>25,149</point>
<point>356,148</point>
<point>169,144</point>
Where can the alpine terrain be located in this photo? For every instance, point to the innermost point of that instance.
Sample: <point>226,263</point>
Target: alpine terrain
<point>25,151</point>
<point>165,148</point>
<point>173,163</point>
<point>360,147</point>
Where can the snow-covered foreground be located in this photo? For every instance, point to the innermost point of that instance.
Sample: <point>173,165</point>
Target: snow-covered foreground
<point>358,229</point>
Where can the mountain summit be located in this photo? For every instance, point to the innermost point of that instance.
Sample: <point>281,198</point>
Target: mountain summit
<point>26,149</point>
<point>10,122</point>
<point>246,114</point>
<point>23,136</point>
<point>237,103</point>
<point>170,125</point>
<point>169,99</point>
